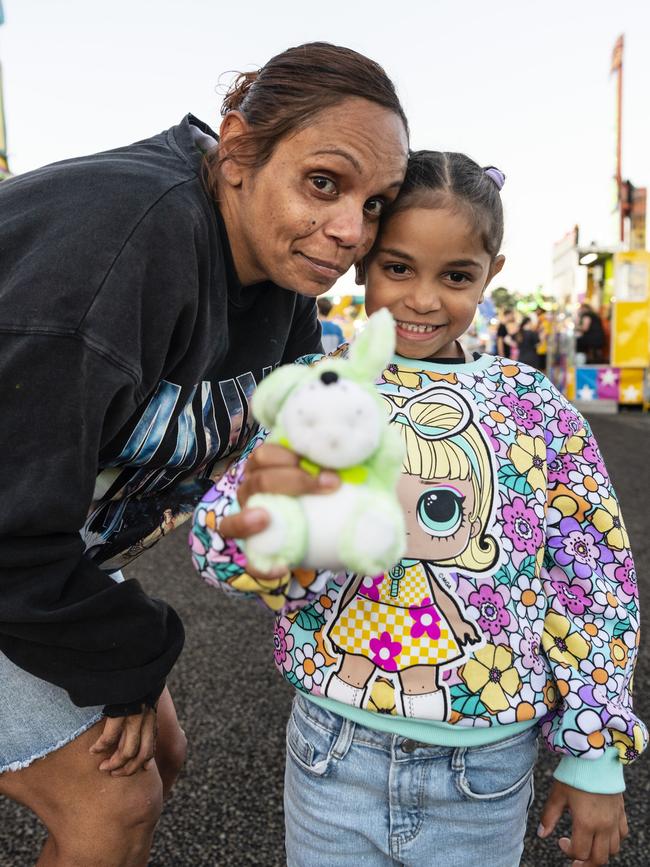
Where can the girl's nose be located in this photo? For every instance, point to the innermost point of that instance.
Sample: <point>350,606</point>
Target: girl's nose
<point>423,298</point>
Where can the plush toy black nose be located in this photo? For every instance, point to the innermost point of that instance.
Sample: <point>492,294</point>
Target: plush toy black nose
<point>329,377</point>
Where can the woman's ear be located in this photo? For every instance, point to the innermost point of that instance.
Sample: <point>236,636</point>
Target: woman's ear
<point>360,273</point>
<point>233,126</point>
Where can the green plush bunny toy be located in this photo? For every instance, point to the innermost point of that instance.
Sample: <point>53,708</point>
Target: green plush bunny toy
<point>331,415</point>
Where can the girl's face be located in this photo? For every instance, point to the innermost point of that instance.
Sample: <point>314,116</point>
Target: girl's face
<point>312,210</point>
<point>430,270</point>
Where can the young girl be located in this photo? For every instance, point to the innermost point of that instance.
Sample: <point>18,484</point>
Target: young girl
<point>421,692</point>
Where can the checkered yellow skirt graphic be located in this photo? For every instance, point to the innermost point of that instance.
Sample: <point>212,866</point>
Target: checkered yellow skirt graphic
<point>395,631</point>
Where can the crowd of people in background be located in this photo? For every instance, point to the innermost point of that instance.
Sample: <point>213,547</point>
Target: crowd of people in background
<point>524,338</point>
<point>514,335</point>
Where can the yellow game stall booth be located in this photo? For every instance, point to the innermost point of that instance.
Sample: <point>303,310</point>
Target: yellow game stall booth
<point>618,287</point>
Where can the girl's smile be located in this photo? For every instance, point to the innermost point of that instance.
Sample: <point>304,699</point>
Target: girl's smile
<point>430,269</point>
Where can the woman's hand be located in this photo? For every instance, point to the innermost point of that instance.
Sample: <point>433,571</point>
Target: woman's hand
<point>598,824</point>
<point>130,742</point>
<point>272,469</point>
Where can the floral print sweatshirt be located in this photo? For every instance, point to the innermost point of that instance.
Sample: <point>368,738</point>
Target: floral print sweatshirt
<point>517,601</point>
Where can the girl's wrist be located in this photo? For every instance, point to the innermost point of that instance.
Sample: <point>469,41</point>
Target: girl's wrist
<point>603,776</point>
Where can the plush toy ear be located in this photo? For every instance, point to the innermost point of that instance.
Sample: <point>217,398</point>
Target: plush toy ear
<point>273,391</point>
<point>373,349</point>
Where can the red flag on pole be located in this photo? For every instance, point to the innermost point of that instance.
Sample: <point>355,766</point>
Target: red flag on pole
<point>617,54</point>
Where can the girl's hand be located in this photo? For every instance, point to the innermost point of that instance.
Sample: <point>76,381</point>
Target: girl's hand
<point>272,469</point>
<point>599,824</point>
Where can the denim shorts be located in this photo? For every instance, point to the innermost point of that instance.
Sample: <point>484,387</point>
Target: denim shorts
<point>358,796</point>
<point>37,717</point>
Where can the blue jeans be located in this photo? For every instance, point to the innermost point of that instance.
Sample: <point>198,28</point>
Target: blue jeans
<point>358,796</point>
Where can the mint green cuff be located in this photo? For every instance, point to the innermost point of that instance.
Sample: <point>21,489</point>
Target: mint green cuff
<point>602,776</point>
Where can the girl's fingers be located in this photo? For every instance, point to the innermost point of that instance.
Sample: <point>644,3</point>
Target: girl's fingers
<point>552,812</point>
<point>614,843</point>
<point>601,848</point>
<point>246,523</point>
<point>623,828</point>
<point>578,846</point>
<point>290,481</point>
<point>272,455</point>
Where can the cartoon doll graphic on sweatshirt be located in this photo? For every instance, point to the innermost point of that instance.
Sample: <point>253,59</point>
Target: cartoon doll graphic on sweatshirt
<point>418,622</point>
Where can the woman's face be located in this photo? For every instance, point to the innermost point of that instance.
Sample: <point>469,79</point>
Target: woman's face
<point>312,211</point>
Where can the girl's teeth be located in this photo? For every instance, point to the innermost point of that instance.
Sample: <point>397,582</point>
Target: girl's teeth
<point>420,329</point>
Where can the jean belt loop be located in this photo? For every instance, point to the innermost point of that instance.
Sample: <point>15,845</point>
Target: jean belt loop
<point>343,739</point>
<point>458,759</point>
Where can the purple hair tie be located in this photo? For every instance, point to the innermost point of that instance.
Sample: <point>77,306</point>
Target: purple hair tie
<point>496,175</point>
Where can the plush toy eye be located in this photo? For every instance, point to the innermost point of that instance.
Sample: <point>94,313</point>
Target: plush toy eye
<point>440,511</point>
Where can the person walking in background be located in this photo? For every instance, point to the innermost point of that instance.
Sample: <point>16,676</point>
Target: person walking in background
<point>527,341</point>
<point>543,331</point>
<point>590,334</point>
<point>332,334</point>
<point>506,333</point>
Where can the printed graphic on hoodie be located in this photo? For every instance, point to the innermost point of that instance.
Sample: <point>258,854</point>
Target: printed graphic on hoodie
<point>137,501</point>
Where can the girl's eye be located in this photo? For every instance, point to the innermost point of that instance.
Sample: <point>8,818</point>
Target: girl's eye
<point>458,278</point>
<point>397,269</point>
<point>374,207</point>
<point>323,184</point>
<point>440,512</point>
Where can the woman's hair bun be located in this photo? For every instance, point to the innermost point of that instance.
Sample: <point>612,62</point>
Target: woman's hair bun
<point>238,91</point>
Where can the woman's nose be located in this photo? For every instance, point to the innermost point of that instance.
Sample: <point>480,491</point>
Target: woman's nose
<point>348,225</point>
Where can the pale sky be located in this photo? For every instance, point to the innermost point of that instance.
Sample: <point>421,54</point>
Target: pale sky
<point>514,83</point>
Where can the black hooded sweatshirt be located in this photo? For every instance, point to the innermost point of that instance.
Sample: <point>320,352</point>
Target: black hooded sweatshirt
<point>128,355</point>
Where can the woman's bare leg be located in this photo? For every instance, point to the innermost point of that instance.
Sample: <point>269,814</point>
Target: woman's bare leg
<point>171,743</point>
<point>95,819</point>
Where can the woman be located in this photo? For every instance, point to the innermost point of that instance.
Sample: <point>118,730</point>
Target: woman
<point>144,292</point>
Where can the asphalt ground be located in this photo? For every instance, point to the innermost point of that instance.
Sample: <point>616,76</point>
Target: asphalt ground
<point>226,810</point>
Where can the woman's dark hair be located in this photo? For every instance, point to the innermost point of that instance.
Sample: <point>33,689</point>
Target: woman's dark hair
<point>293,87</point>
<point>436,179</point>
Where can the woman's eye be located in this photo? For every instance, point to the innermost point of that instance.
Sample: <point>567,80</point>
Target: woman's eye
<point>440,512</point>
<point>323,184</point>
<point>374,207</point>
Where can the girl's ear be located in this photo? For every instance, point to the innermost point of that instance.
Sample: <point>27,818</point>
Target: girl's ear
<point>360,273</point>
<point>233,126</point>
<point>495,267</point>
